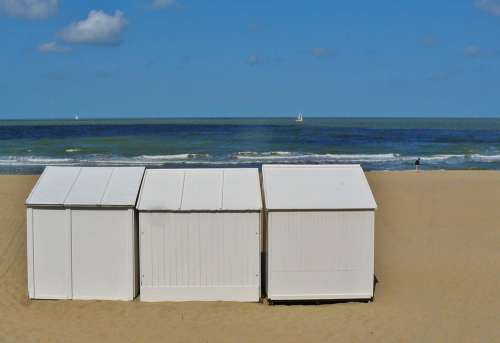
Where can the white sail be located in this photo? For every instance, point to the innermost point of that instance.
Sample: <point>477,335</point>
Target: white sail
<point>300,118</point>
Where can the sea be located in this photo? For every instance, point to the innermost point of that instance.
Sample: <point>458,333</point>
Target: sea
<point>27,146</point>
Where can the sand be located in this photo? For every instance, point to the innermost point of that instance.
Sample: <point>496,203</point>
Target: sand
<point>437,259</point>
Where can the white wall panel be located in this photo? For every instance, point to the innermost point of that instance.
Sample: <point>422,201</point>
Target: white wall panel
<point>320,255</point>
<point>200,256</point>
<point>51,250</point>
<point>103,254</point>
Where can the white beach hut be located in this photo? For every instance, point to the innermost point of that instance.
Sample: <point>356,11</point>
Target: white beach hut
<point>82,233</point>
<point>200,234</point>
<point>320,229</point>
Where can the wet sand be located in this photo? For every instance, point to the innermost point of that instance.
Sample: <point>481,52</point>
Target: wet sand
<point>437,261</point>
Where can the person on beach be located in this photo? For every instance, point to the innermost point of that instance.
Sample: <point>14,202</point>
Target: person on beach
<point>417,164</point>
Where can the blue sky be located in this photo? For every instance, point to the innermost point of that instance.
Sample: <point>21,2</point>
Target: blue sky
<point>170,58</point>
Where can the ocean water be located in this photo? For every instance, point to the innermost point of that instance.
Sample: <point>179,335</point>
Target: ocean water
<point>375,143</point>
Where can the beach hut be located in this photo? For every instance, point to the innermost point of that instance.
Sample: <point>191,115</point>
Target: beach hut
<point>82,233</point>
<point>320,230</point>
<point>200,234</point>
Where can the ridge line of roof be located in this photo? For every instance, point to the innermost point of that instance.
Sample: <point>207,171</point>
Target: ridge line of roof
<point>107,185</point>
<point>72,185</point>
<point>182,188</point>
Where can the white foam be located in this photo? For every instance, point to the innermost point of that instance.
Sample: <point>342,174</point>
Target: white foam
<point>172,157</point>
<point>485,158</point>
<point>34,161</point>
<point>269,156</point>
<point>441,157</point>
<point>244,158</point>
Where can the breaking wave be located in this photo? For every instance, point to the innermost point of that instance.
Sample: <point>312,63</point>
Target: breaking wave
<point>246,158</point>
<point>174,157</point>
<point>485,158</point>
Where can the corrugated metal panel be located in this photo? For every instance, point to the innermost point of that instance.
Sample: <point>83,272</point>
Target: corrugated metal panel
<point>320,255</point>
<point>200,256</point>
<point>316,187</point>
<point>161,190</point>
<point>241,189</point>
<point>200,190</point>
<point>89,187</point>
<point>53,186</point>
<point>123,187</point>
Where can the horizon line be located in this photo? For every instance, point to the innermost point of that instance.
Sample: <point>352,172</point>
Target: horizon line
<point>245,117</point>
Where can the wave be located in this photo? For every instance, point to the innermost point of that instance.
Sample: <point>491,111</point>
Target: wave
<point>255,153</point>
<point>439,158</point>
<point>10,160</point>
<point>249,158</point>
<point>173,157</point>
<point>485,158</point>
<point>284,155</point>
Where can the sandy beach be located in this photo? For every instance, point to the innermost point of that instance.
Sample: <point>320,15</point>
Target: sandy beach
<point>437,261</point>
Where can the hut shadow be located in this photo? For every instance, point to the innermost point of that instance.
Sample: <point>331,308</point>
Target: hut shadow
<point>315,302</point>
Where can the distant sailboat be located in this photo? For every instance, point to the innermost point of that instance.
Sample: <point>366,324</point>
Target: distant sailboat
<point>300,118</point>
<point>77,117</point>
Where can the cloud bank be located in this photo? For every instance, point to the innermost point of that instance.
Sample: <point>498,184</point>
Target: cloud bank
<point>29,9</point>
<point>99,28</point>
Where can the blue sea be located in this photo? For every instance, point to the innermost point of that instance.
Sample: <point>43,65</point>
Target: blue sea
<point>375,143</point>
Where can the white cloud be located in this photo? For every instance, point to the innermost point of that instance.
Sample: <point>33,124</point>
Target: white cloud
<point>52,47</point>
<point>29,9</point>
<point>161,4</point>
<point>98,28</point>
<point>490,6</point>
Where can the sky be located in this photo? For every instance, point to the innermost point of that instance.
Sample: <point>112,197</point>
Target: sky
<point>184,58</point>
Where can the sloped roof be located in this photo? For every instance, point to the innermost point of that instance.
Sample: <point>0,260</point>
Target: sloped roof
<point>316,187</point>
<point>200,190</point>
<point>87,186</point>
